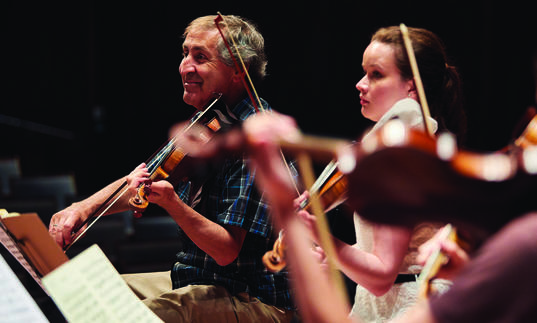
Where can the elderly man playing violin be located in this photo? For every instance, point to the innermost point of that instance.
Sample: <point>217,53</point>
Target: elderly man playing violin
<point>218,276</point>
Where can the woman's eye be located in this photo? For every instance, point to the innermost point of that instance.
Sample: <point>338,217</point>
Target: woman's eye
<point>375,74</point>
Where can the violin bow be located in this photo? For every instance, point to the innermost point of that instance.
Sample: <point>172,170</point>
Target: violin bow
<point>437,258</point>
<point>417,79</point>
<point>325,240</point>
<point>304,162</point>
<point>153,163</point>
<point>249,86</point>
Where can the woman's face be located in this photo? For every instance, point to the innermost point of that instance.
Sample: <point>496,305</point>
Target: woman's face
<point>382,85</point>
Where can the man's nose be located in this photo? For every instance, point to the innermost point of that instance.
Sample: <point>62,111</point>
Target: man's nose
<point>186,67</point>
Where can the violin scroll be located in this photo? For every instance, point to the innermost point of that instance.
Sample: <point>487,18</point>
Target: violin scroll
<point>274,259</point>
<point>138,203</point>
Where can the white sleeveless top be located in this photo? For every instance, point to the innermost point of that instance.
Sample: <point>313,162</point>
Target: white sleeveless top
<point>368,307</point>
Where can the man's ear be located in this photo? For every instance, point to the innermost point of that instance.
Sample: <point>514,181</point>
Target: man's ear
<point>237,76</point>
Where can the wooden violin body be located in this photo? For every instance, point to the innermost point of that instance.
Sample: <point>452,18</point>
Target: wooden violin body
<point>165,161</point>
<point>411,180</point>
<point>404,176</point>
<point>139,203</point>
<point>332,192</point>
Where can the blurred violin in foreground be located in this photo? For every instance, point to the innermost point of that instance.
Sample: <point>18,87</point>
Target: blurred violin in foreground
<point>416,177</point>
<point>402,176</point>
<point>404,170</point>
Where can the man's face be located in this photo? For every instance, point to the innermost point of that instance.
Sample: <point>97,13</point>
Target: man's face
<point>202,72</point>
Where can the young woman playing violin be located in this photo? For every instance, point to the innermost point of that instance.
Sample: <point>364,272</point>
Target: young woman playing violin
<point>382,262</point>
<point>496,285</point>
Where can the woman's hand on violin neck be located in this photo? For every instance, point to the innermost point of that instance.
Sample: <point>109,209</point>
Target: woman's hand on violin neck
<point>310,221</point>
<point>457,255</point>
<point>297,203</point>
<point>320,256</point>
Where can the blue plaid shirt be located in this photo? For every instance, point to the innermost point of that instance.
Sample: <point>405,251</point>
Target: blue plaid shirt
<point>231,198</point>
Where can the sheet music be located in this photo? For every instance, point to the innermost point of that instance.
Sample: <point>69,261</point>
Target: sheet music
<point>11,246</point>
<point>89,289</point>
<point>16,304</point>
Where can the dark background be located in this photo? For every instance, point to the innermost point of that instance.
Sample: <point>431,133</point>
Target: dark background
<point>91,87</point>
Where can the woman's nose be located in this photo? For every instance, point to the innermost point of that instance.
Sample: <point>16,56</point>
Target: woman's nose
<point>362,85</point>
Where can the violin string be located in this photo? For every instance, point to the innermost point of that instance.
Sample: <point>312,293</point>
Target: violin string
<point>169,147</point>
<point>328,170</point>
<point>325,174</point>
<point>157,161</point>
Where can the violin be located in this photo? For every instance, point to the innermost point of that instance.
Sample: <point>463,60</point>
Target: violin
<point>161,164</point>
<point>332,186</point>
<point>332,190</point>
<point>527,138</point>
<point>168,158</point>
<point>414,177</point>
<point>403,176</point>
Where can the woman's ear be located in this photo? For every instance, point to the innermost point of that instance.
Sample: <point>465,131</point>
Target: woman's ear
<point>412,91</point>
